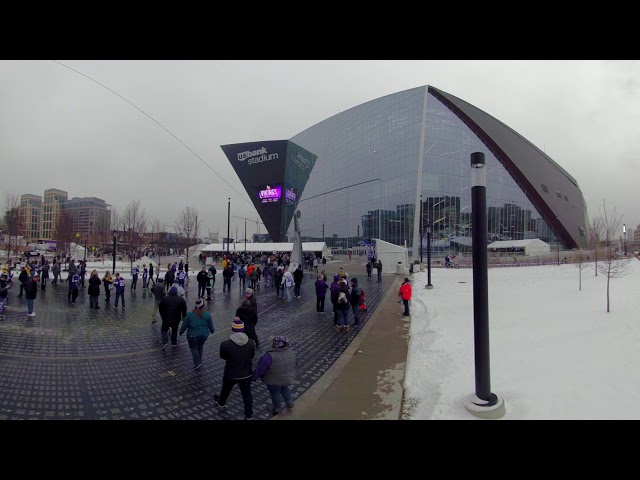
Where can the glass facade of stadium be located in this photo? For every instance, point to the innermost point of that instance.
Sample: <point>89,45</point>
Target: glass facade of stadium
<point>375,160</point>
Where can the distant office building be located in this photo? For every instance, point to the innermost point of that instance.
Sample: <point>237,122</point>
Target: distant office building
<point>30,212</point>
<point>51,208</point>
<point>90,215</point>
<point>635,239</point>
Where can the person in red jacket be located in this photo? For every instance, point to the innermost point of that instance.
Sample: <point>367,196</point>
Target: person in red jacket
<point>405,294</point>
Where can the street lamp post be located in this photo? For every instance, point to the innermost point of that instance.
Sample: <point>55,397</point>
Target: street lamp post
<point>245,235</point>
<point>114,253</point>
<point>85,249</point>
<point>624,231</point>
<point>228,223</point>
<point>483,404</point>
<point>421,232</point>
<point>429,285</point>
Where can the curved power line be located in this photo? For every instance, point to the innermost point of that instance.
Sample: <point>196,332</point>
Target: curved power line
<point>158,123</point>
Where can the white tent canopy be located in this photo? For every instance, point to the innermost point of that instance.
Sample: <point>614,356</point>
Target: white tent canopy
<point>533,246</point>
<point>145,261</point>
<point>266,247</point>
<point>390,254</point>
<point>195,250</point>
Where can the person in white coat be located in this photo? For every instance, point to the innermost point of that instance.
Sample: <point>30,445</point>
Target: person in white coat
<point>287,285</point>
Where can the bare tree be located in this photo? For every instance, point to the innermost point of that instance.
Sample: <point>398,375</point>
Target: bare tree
<point>154,227</point>
<point>580,263</point>
<point>134,221</point>
<point>595,237</point>
<point>116,219</point>
<point>187,225</point>
<point>12,218</point>
<point>65,233</point>
<point>612,266</point>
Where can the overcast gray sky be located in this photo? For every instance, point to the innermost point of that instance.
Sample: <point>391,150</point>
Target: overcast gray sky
<point>61,130</point>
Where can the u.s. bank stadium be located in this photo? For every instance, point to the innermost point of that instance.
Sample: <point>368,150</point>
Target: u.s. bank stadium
<point>361,174</point>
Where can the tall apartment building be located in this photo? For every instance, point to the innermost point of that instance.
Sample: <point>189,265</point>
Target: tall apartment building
<point>30,212</point>
<point>90,215</point>
<point>51,208</point>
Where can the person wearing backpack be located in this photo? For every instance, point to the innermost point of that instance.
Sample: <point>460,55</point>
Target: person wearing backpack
<point>277,369</point>
<point>287,284</point>
<point>343,306</point>
<point>158,294</point>
<point>197,324</point>
<point>369,268</point>
<point>242,276</point>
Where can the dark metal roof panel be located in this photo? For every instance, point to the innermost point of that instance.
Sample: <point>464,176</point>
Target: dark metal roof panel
<point>563,205</point>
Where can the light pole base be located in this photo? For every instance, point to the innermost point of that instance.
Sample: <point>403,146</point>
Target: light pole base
<point>428,286</point>
<point>488,410</point>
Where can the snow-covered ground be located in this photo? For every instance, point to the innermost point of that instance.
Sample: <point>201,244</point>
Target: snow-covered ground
<point>555,351</point>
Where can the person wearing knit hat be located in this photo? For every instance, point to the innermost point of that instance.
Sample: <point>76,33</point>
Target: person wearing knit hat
<point>237,351</point>
<point>173,308</point>
<point>197,324</point>
<point>249,295</point>
<point>277,369</point>
<point>237,326</point>
<point>248,316</point>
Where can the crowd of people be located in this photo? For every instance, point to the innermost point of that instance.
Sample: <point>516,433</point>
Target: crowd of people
<point>276,367</point>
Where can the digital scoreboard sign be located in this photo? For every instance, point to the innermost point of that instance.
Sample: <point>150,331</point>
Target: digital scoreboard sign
<point>270,194</point>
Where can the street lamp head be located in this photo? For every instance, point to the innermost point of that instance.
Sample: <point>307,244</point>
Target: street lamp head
<point>478,172</point>
<point>477,160</point>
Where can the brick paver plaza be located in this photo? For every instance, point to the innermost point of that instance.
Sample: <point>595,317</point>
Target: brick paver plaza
<point>70,362</point>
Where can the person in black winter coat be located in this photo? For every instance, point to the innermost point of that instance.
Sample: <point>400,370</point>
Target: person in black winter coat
<point>227,275</point>
<point>173,308</point>
<point>249,294</point>
<point>213,271</point>
<point>94,289</point>
<point>22,278</point>
<point>237,352</point>
<point>298,275</point>
<point>30,291</point>
<point>202,279</point>
<point>169,278</point>
<point>249,317</point>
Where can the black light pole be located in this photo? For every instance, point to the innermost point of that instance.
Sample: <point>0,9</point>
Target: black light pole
<point>486,404</point>
<point>624,231</point>
<point>323,231</point>
<point>245,235</point>
<point>429,285</point>
<point>114,253</point>
<point>85,249</point>
<point>228,224</point>
<point>421,233</point>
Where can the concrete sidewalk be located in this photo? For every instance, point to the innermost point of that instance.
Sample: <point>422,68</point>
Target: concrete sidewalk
<point>366,381</point>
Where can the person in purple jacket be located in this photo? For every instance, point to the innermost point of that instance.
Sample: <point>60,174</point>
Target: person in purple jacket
<point>321,292</point>
<point>277,369</point>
